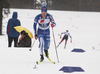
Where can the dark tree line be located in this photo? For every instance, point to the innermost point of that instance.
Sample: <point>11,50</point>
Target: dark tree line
<point>4,8</point>
<point>76,5</point>
<point>65,4</point>
<point>27,4</point>
<point>71,5</point>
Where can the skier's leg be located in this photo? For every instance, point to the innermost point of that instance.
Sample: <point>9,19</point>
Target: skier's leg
<point>65,44</point>
<point>10,39</point>
<point>46,44</point>
<point>41,42</point>
<point>66,38</point>
<point>60,42</point>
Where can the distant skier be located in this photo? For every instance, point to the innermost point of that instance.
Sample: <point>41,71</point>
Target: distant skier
<point>65,37</point>
<point>43,32</point>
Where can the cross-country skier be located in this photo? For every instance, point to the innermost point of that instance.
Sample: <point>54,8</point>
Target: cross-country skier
<point>43,32</point>
<point>65,37</point>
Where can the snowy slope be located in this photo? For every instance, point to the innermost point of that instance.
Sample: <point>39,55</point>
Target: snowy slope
<point>85,32</point>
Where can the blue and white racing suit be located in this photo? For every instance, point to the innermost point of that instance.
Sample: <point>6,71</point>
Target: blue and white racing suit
<point>43,31</point>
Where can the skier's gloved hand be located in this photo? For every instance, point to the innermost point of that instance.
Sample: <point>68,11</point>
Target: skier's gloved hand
<point>52,25</point>
<point>60,37</point>
<point>71,41</point>
<point>36,36</point>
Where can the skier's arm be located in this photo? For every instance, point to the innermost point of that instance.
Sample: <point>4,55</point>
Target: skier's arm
<point>62,33</point>
<point>35,30</point>
<point>35,26</point>
<point>52,21</point>
<point>70,37</point>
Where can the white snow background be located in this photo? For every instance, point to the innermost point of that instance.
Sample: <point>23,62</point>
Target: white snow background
<point>84,28</point>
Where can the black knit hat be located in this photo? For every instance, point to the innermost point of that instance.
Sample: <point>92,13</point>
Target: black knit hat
<point>23,32</point>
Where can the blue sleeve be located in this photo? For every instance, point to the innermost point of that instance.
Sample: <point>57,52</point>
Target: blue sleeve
<point>62,33</point>
<point>35,24</point>
<point>52,20</point>
<point>19,23</point>
<point>8,26</point>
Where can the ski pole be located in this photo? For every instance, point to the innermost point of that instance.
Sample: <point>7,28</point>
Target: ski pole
<point>32,46</point>
<point>55,45</point>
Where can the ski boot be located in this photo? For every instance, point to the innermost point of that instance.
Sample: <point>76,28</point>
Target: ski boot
<point>46,53</point>
<point>65,47</point>
<point>42,58</point>
<point>57,46</point>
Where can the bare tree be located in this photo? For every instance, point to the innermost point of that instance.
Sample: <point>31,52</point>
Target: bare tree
<point>4,8</point>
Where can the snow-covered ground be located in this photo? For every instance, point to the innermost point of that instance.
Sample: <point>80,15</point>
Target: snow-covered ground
<point>84,28</point>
